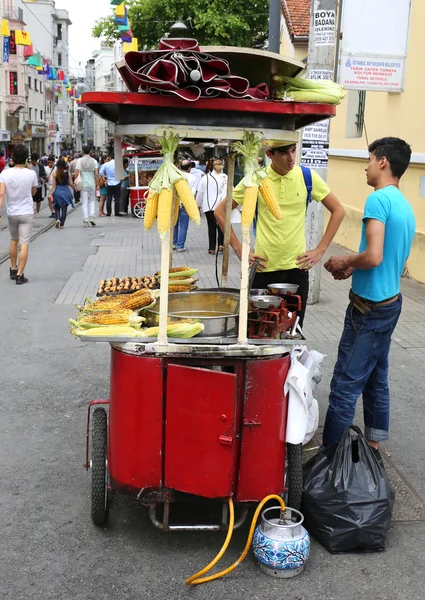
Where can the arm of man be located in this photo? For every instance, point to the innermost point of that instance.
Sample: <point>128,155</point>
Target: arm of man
<point>311,257</point>
<point>220,215</point>
<point>2,195</point>
<point>53,182</point>
<point>371,257</point>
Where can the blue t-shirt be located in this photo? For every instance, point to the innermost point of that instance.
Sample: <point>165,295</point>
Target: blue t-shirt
<point>389,206</point>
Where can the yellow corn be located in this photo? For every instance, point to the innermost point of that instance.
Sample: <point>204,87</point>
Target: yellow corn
<point>108,330</point>
<point>188,200</point>
<point>179,288</point>
<point>248,207</point>
<point>176,211</point>
<point>106,305</point>
<point>109,317</point>
<point>151,209</point>
<point>165,204</point>
<point>177,270</point>
<point>269,198</point>
<point>137,301</point>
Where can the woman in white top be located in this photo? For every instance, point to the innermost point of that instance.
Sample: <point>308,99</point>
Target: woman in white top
<point>212,190</point>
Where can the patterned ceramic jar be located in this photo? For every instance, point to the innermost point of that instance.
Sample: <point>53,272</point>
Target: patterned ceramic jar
<point>281,544</point>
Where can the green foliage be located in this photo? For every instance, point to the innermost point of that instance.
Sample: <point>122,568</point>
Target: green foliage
<point>216,23</point>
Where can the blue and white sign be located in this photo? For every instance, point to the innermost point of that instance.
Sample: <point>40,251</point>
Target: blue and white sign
<point>6,49</point>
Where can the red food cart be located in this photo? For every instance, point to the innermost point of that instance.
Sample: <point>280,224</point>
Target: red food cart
<point>200,417</point>
<point>142,166</point>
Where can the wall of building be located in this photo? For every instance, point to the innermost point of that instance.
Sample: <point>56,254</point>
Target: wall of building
<point>297,50</point>
<point>386,114</point>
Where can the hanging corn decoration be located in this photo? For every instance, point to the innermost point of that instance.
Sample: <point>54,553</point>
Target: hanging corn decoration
<point>151,209</point>
<point>254,179</point>
<point>165,205</point>
<point>188,200</point>
<point>176,210</point>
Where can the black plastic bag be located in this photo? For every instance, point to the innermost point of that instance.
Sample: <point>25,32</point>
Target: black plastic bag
<point>347,498</point>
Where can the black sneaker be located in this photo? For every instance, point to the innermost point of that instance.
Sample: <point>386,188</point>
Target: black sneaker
<point>13,273</point>
<point>52,216</point>
<point>21,279</point>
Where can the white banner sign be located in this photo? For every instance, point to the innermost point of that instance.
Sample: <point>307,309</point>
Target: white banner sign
<point>324,28</point>
<point>372,73</point>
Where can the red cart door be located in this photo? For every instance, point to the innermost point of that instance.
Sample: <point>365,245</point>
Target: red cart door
<point>200,441</point>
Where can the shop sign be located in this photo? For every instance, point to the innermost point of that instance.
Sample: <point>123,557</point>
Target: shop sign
<point>374,42</point>
<point>324,27</point>
<point>39,131</point>
<point>4,135</point>
<point>17,138</point>
<point>28,131</point>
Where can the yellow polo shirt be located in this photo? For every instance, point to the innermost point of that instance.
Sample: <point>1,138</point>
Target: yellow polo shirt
<point>281,242</point>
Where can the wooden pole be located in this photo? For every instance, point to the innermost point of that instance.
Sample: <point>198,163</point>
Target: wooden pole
<point>228,221</point>
<point>163,294</point>
<point>243,303</point>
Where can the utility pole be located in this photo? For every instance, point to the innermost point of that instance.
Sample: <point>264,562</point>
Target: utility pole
<point>320,65</point>
<point>275,16</point>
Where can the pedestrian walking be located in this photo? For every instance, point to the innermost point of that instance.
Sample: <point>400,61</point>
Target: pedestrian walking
<point>103,190</point>
<point>48,184</point>
<point>18,186</point>
<point>87,168</point>
<point>125,192</point>
<point>388,231</point>
<point>197,173</point>
<point>212,190</point>
<point>182,225</point>
<point>280,245</point>
<point>113,187</point>
<point>38,168</point>
<point>72,168</point>
<point>2,161</point>
<point>61,192</point>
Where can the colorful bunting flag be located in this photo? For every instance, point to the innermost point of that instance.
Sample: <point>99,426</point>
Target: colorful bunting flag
<point>28,51</point>
<point>127,36</point>
<point>133,46</point>
<point>35,61</point>
<point>22,38</point>
<point>116,2</point>
<point>121,10</point>
<point>5,29</point>
<point>122,21</point>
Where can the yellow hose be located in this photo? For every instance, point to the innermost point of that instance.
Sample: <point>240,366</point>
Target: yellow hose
<point>194,579</point>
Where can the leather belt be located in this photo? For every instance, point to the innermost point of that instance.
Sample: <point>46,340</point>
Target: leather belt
<point>360,302</point>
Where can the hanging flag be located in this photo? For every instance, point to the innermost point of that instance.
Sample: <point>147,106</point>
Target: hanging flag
<point>5,30</point>
<point>127,36</point>
<point>35,61</point>
<point>61,75</point>
<point>122,28</point>
<point>122,21</point>
<point>46,69</point>
<point>133,46</point>
<point>116,2</point>
<point>121,10</point>
<point>6,49</point>
<point>28,51</point>
<point>22,38</point>
<point>54,73</point>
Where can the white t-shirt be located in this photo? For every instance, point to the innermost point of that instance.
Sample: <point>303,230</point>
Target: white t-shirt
<point>19,183</point>
<point>87,167</point>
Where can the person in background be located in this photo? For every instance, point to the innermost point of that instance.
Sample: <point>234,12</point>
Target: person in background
<point>124,200</point>
<point>388,231</point>
<point>182,225</point>
<point>72,168</point>
<point>197,173</point>
<point>10,163</point>
<point>103,190</point>
<point>280,245</point>
<point>2,161</point>
<point>113,188</point>
<point>87,167</point>
<point>202,166</point>
<point>18,186</point>
<point>261,162</point>
<point>212,190</point>
<point>48,184</point>
<point>61,192</point>
<point>38,168</point>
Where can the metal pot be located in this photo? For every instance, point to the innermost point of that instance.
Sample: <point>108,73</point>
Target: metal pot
<point>265,301</point>
<point>216,310</point>
<point>283,288</point>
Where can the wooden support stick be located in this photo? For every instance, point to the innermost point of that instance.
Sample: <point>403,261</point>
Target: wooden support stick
<point>163,295</point>
<point>243,303</point>
<point>228,222</point>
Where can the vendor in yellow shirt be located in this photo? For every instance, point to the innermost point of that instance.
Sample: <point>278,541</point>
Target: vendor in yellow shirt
<point>281,245</point>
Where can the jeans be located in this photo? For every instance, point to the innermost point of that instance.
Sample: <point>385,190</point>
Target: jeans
<point>180,230</point>
<point>114,191</point>
<point>124,199</point>
<point>60,212</point>
<point>362,369</point>
<point>296,276</point>
<point>214,231</point>
<point>88,200</point>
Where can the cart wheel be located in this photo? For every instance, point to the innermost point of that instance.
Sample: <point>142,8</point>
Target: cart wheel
<point>139,209</point>
<point>99,490</point>
<point>295,475</point>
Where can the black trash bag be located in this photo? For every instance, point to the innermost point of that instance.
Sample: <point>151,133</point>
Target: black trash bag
<point>347,498</point>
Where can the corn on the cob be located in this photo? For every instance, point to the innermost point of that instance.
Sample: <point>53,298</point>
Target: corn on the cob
<point>176,211</point>
<point>125,316</point>
<point>108,331</point>
<point>177,330</point>
<point>248,207</point>
<point>185,281</point>
<point>178,270</point>
<point>137,301</point>
<point>151,209</point>
<point>188,200</point>
<point>111,304</point>
<point>180,288</point>
<point>269,198</point>
<point>165,205</point>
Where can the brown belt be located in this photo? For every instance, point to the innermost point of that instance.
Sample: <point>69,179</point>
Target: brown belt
<point>366,306</point>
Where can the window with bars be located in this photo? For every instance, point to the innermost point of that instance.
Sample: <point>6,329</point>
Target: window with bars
<point>360,112</point>
<point>356,104</point>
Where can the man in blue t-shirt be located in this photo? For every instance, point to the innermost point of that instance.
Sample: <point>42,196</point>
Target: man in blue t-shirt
<point>375,301</point>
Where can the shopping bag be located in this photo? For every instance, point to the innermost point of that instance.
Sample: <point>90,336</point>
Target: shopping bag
<point>347,498</point>
<point>78,183</point>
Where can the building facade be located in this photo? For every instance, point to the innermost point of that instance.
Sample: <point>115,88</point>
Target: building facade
<point>103,65</point>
